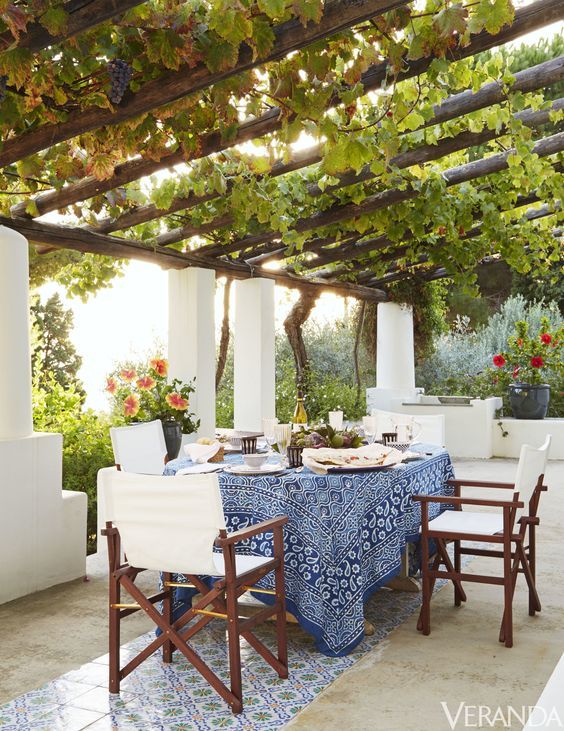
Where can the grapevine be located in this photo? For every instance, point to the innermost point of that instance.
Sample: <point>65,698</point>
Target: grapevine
<point>3,82</point>
<point>120,75</point>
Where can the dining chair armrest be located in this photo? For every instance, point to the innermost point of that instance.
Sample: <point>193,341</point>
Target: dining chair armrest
<point>529,520</point>
<point>481,483</point>
<point>446,499</point>
<point>252,530</point>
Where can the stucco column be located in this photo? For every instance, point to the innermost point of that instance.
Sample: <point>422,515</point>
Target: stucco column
<point>191,338</point>
<point>254,353</point>
<point>395,360</point>
<point>15,360</point>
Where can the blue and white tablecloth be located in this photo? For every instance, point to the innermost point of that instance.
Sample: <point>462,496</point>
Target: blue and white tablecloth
<point>345,535</point>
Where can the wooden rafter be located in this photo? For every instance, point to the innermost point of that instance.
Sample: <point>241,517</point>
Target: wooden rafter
<point>415,156</point>
<point>346,211</point>
<point>79,239</point>
<point>533,17</point>
<point>537,77</point>
<point>397,272</point>
<point>174,85</point>
<point>82,15</point>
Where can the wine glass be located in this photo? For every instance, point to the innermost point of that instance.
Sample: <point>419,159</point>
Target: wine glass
<point>268,430</point>
<point>369,424</point>
<point>283,435</point>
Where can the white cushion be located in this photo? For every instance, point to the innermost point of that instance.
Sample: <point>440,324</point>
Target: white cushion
<point>462,521</point>
<point>242,563</point>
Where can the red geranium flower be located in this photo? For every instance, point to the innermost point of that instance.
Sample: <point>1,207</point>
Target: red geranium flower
<point>499,360</point>
<point>175,401</point>
<point>131,405</point>
<point>128,374</point>
<point>160,366</point>
<point>537,361</point>
<point>111,385</point>
<point>516,371</point>
<point>546,338</point>
<point>146,383</point>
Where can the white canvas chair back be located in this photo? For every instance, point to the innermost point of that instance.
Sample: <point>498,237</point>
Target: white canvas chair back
<point>140,448</point>
<point>432,429</point>
<point>532,463</point>
<point>388,421</point>
<point>166,523</point>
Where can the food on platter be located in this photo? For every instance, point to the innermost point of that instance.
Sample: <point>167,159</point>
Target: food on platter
<point>371,456</point>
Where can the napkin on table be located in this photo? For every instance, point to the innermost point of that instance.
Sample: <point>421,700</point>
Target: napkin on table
<point>200,453</point>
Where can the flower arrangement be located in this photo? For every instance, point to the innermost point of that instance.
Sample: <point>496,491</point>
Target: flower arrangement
<point>147,395</point>
<point>527,358</point>
<point>325,436</point>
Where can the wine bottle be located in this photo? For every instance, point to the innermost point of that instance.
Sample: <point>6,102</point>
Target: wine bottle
<point>300,415</point>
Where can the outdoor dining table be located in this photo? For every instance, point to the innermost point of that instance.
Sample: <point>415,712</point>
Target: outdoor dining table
<point>345,537</point>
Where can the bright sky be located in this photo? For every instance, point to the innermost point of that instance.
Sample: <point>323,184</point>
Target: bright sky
<point>129,319</point>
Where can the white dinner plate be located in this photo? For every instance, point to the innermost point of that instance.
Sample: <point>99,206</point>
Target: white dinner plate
<point>266,469</point>
<point>201,469</point>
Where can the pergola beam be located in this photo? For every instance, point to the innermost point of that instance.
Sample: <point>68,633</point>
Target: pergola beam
<point>537,77</point>
<point>416,156</point>
<point>174,85</point>
<point>79,239</point>
<point>347,211</point>
<point>82,15</point>
<point>395,273</point>
<point>533,17</point>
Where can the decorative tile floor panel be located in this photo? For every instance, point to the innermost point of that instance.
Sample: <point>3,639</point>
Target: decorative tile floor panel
<point>160,697</point>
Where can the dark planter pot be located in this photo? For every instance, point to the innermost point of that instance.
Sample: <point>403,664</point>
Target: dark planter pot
<point>529,401</point>
<point>173,437</point>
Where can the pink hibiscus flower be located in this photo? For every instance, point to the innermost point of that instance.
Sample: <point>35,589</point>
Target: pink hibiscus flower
<point>131,405</point>
<point>175,401</point>
<point>146,383</point>
<point>160,366</point>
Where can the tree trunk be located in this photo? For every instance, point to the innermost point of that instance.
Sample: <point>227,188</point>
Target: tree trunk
<point>224,341</point>
<point>357,341</point>
<point>293,327</point>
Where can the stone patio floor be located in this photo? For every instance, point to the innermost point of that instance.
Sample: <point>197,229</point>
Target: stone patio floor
<point>399,684</point>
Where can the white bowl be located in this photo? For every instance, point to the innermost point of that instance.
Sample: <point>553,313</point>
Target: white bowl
<point>255,461</point>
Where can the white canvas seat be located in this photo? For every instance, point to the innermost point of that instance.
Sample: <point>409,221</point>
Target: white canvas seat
<point>465,521</point>
<point>172,525</point>
<point>139,448</point>
<point>243,564</point>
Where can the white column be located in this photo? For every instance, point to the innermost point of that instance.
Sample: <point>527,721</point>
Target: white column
<point>395,359</point>
<point>254,353</point>
<point>191,338</point>
<point>15,361</point>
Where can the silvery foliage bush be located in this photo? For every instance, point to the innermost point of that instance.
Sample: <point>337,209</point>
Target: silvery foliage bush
<point>465,352</point>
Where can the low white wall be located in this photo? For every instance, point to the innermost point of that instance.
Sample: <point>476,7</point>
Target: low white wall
<point>42,527</point>
<point>527,431</point>
<point>468,428</point>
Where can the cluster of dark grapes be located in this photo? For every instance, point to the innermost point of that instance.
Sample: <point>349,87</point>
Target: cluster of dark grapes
<point>3,83</point>
<point>120,75</point>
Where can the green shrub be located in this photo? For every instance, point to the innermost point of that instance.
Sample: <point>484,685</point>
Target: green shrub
<point>461,364</point>
<point>86,441</point>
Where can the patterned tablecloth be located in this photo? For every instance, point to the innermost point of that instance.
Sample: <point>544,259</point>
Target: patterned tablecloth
<point>344,539</point>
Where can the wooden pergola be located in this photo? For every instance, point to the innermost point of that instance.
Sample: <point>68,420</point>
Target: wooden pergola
<point>331,253</point>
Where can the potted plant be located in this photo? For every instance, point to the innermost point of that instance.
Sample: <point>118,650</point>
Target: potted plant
<point>525,364</point>
<point>147,395</point>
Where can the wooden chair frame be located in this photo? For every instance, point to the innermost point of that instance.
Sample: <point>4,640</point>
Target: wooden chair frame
<point>506,539</point>
<point>222,598</point>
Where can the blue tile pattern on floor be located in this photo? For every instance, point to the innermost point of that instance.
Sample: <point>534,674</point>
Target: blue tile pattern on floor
<point>159,697</point>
